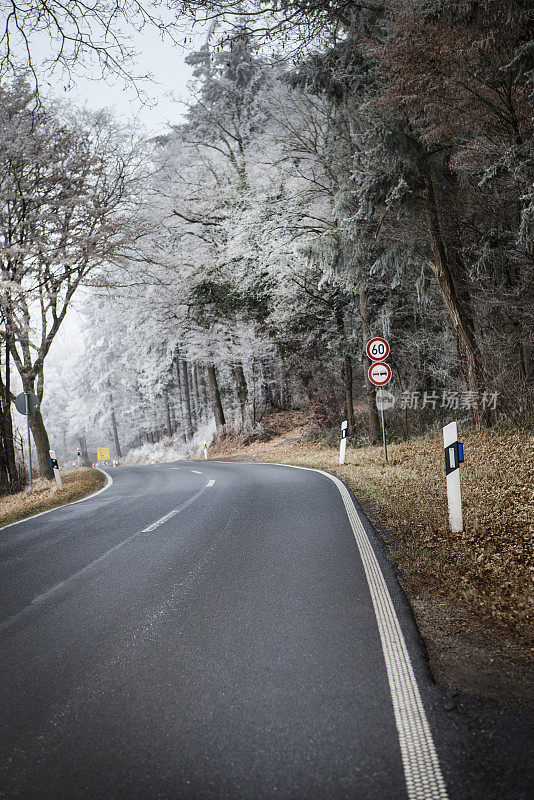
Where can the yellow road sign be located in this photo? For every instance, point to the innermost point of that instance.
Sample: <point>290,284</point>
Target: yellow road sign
<point>102,454</point>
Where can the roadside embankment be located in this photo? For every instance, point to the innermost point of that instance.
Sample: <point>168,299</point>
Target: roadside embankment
<point>44,495</point>
<point>471,593</point>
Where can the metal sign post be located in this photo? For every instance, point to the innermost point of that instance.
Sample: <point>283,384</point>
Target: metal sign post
<point>27,412</point>
<point>383,426</point>
<point>27,403</point>
<point>380,374</point>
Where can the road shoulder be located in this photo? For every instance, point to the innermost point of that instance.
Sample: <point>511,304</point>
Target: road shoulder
<point>468,593</point>
<point>78,484</point>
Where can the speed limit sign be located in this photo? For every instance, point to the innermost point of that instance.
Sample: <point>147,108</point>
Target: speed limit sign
<point>377,349</point>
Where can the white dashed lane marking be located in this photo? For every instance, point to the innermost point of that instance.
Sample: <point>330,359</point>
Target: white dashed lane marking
<point>64,585</point>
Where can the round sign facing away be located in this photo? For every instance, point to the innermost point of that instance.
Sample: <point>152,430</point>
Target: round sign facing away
<point>379,373</point>
<point>377,349</point>
<point>20,402</point>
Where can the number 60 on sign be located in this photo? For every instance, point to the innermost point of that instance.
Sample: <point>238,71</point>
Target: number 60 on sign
<point>377,349</point>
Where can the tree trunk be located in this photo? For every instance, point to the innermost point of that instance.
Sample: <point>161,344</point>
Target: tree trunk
<point>205,393</point>
<point>114,422</point>
<point>174,425</point>
<point>155,427</point>
<point>180,398</point>
<point>5,484</point>
<point>200,382</point>
<point>187,400</point>
<point>215,397</point>
<point>242,392</point>
<point>195,410</point>
<point>268,399</point>
<point>42,443</point>
<point>9,477</point>
<point>167,412</point>
<point>196,394</point>
<point>372,411</point>
<point>5,477</point>
<point>347,365</point>
<point>349,401</point>
<point>449,272</point>
<point>82,444</point>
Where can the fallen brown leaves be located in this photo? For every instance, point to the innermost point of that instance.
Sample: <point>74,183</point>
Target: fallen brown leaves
<point>77,483</point>
<point>489,567</point>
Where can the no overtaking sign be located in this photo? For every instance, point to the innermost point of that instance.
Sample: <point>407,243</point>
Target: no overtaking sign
<point>379,373</point>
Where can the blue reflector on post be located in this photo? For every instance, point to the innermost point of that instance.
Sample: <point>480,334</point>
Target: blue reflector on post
<point>460,452</point>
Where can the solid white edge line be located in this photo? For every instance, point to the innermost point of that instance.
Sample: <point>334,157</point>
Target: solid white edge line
<point>64,505</point>
<point>424,780</point>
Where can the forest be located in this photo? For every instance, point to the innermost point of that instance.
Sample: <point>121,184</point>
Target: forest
<point>344,170</point>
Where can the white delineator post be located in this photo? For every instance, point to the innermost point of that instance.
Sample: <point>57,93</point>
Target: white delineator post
<point>55,467</point>
<point>452,470</point>
<point>343,443</point>
<point>206,450</point>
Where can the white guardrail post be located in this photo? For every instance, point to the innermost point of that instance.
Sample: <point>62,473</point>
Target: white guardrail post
<point>343,444</point>
<point>454,456</point>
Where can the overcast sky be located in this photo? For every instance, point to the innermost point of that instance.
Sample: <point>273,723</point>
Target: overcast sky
<point>168,93</point>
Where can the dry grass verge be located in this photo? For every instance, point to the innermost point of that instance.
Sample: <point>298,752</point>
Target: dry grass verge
<point>77,483</point>
<point>489,567</point>
<point>472,593</point>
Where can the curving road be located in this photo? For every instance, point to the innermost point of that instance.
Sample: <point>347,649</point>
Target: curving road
<point>216,630</point>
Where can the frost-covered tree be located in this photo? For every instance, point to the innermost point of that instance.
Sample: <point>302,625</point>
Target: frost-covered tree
<point>63,213</point>
<point>301,208</point>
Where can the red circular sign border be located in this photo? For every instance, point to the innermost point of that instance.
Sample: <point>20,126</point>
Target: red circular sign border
<point>382,364</point>
<point>377,339</point>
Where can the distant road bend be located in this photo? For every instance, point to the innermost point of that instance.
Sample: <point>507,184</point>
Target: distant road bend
<point>214,630</point>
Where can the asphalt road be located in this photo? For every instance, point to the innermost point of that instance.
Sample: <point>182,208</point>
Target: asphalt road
<point>217,630</point>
